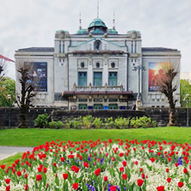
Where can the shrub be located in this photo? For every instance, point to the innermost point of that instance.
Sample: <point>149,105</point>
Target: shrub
<point>75,123</point>
<point>143,122</point>
<point>87,121</point>
<point>109,123</point>
<point>56,124</point>
<point>97,123</point>
<point>121,123</point>
<point>41,121</point>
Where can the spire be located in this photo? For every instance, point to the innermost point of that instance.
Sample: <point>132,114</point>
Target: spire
<point>97,8</point>
<point>80,21</point>
<point>113,20</point>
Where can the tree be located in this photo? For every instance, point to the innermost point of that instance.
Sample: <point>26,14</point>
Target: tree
<point>7,87</point>
<point>24,99</point>
<point>185,88</point>
<point>167,87</point>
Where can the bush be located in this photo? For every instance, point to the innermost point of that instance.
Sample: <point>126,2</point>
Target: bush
<point>75,123</point>
<point>56,124</point>
<point>109,123</point>
<point>87,121</point>
<point>121,123</point>
<point>41,121</point>
<point>97,123</point>
<point>142,122</point>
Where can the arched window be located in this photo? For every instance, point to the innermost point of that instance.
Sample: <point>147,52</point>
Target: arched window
<point>113,65</point>
<point>82,64</point>
<point>97,45</point>
<point>97,64</point>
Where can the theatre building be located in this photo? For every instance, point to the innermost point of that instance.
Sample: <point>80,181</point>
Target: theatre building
<point>98,68</point>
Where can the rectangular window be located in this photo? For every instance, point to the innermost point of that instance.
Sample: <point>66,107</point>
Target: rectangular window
<point>82,78</point>
<point>97,80</point>
<point>112,81</point>
<point>63,48</point>
<point>60,47</point>
<point>131,46</point>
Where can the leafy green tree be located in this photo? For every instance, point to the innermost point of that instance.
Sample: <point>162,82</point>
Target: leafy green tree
<point>185,88</point>
<point>7,87</point>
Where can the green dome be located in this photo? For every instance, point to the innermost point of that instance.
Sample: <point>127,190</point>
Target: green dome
<point>97,23</point>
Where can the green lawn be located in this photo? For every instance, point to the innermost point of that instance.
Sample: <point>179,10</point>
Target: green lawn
<point>10,160</point>
<point>35,137</point>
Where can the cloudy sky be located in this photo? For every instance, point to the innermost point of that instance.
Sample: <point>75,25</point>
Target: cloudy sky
<point>29,23</point>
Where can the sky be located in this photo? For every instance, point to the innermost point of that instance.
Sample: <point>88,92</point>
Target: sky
<point>33,23</point>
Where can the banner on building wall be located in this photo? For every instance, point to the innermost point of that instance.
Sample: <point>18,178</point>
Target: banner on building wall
<point>38,75</point>
<point>156,72</point>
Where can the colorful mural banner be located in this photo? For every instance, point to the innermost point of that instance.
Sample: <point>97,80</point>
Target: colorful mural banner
<point>157,72</point>
<point>38,75</point>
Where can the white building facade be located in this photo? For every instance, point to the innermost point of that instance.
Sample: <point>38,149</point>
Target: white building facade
<point>97,68</point>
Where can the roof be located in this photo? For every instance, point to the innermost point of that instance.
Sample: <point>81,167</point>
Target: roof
<point>158,49</point>
<point>97,23</point>
<point>112,31</point>
<point>82,31</point>
<point>37,49</point>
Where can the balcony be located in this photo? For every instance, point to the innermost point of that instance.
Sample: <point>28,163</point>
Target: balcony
<point>97,88</point>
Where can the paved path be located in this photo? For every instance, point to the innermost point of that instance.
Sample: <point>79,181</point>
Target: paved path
<point>6,151</point>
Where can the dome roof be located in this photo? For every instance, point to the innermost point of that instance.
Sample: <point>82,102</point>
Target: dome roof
<point>97,23</point>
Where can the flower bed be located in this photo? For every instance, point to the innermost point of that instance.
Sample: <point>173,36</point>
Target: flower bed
<point>101,165</point>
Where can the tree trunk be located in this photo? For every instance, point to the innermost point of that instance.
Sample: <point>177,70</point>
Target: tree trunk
<point>22,116</point>
<point>172,118</point>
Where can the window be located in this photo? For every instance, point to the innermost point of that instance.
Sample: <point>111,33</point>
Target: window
<point>82,64</point>
<point>63,47</point>
<point>82,78</point>
<point>97,64</point>
<point>113,106</point>
<point>113,65</point>
<point>82,106</point>
<point>60,47</point>
<point>97,79</point>
<point>98,106</point>
<point>97,45</point>
<point>112,81</point>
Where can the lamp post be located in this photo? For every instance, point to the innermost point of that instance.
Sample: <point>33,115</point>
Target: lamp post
<point>187,100</point>
<point>9,98</point>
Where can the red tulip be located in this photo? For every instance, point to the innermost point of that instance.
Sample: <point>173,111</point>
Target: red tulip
<point>7,181</point>
<point>105,178</point>
<point>180,184</point>
<point>140,182</point>
<point>75,186</point>
<point>38,177</point>
<point>65,176</point>
<point>97,172</point>
<point>124,176</point>
<point>160,188</point>
<point>169,180</point>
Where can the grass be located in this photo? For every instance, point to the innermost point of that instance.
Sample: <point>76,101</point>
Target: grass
<point>35,137</point>
<point>10,160</point>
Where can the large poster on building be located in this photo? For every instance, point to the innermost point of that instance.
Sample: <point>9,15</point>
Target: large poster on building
<point>156,72</point>
<point>38,75</point>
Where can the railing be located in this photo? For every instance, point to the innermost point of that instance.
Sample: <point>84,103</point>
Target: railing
<point>98,88</point>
